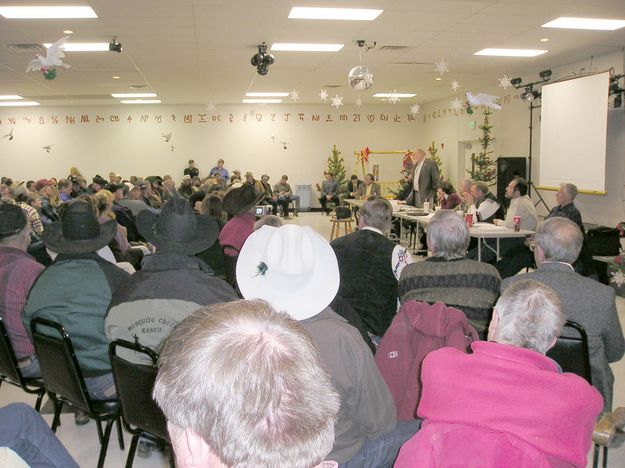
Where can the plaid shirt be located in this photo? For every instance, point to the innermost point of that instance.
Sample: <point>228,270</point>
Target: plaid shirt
<point>18,272</point>
<point>36,226</point>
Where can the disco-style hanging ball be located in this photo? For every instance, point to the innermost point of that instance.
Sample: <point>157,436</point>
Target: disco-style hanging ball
<point>360,78</point>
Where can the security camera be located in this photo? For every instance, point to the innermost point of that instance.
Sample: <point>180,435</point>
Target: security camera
<point>115,46</point>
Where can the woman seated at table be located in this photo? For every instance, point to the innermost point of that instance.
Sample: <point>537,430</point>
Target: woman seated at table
<point>447,197</point>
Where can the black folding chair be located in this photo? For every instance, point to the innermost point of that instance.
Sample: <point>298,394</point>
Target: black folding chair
<point>65,384</point>
<point>134,383</point>
<point>571,353</point>
<point>10,371</point>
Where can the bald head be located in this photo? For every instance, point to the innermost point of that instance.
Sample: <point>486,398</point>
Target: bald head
<point>559,239</point>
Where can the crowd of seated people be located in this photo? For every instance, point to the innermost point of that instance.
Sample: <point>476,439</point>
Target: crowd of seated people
<point>116,253</point>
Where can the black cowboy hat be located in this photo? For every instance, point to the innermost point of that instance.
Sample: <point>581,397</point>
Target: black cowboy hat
<point>177,229</point>
<point>98,179</point>
<point>240,198</point>
<point>79,231</point>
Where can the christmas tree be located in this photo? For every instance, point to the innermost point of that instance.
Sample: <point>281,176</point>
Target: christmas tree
<point>336,166</point>
<point>483,167</point>
<point>433,150</point>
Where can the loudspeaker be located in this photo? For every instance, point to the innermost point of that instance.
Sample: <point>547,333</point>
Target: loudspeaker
<point>508,169</point>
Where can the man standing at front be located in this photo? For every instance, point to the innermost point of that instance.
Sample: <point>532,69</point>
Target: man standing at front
<point>425,179</point>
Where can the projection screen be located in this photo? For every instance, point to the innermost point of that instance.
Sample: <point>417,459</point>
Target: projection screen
<point>573,133</point>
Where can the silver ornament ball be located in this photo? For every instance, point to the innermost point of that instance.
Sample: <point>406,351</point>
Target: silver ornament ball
<point>360,78</point>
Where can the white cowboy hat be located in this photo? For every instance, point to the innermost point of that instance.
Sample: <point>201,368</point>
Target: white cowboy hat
<point>291,267</point>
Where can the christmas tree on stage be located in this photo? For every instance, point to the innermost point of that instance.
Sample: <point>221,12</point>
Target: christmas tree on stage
<point>433,150</point>
<point>483,166</point>
<point>336,166</point>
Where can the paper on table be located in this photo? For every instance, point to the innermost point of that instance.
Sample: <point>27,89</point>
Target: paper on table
<point>490,227</point>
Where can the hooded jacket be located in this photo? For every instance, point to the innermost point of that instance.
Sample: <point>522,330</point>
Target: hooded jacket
<point>417,329</point>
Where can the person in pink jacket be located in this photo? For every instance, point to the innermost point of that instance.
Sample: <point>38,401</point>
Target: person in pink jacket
<point>507,404</point>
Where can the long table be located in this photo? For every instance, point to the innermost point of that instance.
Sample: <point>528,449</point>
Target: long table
<point>479,230</point>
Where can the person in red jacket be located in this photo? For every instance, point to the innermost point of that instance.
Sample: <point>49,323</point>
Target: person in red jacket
<point>507,404</point>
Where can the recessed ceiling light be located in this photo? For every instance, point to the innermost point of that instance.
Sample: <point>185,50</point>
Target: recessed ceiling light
<point>267,94</point>
<point>68,31</point>
<point>10,97</point>
<point>585,23</point>
<point>399,95</point>
<point>261,101</point>
<point>133,95</point>
<point>82,46</point>
<point>18,103</point>
<point>116,77</point>
<point>544,39</point>
<point>47,12</point>
<point>511,52</point>
<point>140,101</point>
<point>303,47</point>
<point>353,14</point>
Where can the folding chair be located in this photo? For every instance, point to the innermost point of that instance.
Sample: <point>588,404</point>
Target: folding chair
<point>134,383</point>
<point>65,384</point>
<point>571,353</point>
<point>10,371</point>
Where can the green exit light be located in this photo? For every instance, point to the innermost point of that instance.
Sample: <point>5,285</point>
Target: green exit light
<point>471,123</point>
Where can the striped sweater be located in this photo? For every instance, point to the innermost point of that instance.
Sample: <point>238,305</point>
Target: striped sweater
<point>467,285</point>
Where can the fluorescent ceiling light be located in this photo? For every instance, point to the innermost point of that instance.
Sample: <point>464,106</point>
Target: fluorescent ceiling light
<point>47,12</point>
<point>140,101</point>
<point>511,52</point>
<point>82,46</point>
<point>303,47</point>
<point>267,94</point>
<point>18,103</point>
<point>262,101</point>
<point>399,95</point>
<point>585,23</point>
<point>353,14</point>
<point>11,97</point>
<point>133,95</point>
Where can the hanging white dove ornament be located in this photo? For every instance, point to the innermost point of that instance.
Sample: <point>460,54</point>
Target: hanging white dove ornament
<point>360,78</point>
<point>482,99</point>
<point>47,65</point>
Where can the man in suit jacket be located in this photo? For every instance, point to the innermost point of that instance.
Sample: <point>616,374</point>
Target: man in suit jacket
<point>425,179</point>
<point>585,301</point>
<point>369,188</point>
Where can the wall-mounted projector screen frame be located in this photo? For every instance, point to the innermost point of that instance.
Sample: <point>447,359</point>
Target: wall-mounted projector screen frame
<point>573,133</point>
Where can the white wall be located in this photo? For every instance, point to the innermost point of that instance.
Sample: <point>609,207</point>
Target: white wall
<point>240,134</point>
<point>511,132</point>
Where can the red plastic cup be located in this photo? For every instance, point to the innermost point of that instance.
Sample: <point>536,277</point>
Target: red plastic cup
<point>469,219</point>
<point>516,221</point>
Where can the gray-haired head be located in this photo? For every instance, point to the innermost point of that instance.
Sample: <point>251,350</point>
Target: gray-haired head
<point>560,239</point>
<point>529,315</point>
<point>448,235</point>
<point>377,213</point>
<point>248,381</point>
<point>571,189</point>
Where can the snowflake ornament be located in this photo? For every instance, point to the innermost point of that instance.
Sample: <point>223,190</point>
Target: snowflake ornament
<point>618,277</point>
<point>456,104</point>
<point>455,85</point>
<point>415,109</point>
<point>441,67</point>
<point>294,95</point>
<point>504,82</point>
<point>393,97</point>
<point>323,95</point>
<point>337,101</point>
<point>359,102</point>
